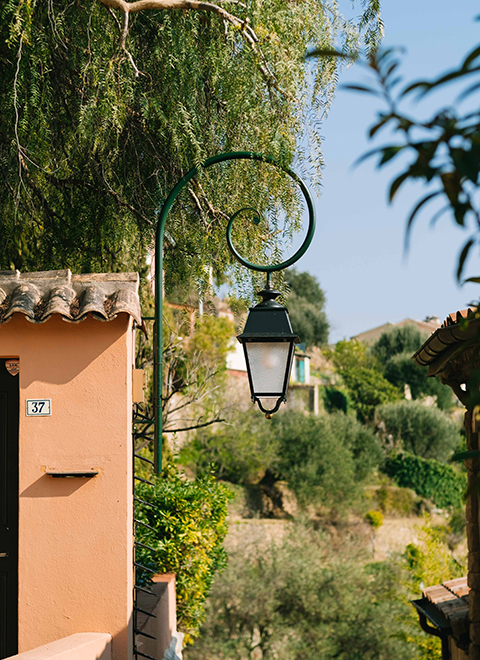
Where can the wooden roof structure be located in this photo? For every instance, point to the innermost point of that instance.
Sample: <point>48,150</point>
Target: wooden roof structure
<point>446,606</point>
<point>452,352</point>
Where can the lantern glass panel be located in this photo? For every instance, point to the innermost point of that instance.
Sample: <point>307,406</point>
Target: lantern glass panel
<point>268,363</point>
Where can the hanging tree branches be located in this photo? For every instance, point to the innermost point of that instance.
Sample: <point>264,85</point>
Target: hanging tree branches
<point>241,25</point>
<point>105,104</point>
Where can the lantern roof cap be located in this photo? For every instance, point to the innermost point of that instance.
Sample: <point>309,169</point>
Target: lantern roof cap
<point>268,320</point>
<point>39,295</point>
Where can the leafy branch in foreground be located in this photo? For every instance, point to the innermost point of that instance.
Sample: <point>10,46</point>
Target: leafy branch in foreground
<point>186,528</point>
<point>443,151</point>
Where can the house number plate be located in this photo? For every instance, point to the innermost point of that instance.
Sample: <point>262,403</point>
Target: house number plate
<point>39,407</point>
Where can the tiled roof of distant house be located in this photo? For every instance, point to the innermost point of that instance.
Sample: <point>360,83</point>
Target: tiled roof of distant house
<point>38,295</point>
<point>429,325</point>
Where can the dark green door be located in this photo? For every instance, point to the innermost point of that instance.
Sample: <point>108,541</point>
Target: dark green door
<point>9,394</point>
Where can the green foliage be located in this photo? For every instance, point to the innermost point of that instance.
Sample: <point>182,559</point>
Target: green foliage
<point>308,321</point>
<point>419,429</point>
<point>194,367</point>
<point>300,598</point>
<point>401,370</point>
<point>306,286</point>
<point>325,459</point>
<point>374,518</point>
<point>443,151</point>
<point>189,522</point>
<point>441,483</point>
<point>315,462</point>
<point>394,350</point>
<point>240,452</point>
<point>360,441</point>
<point>457,524</point>
<point>349,354</point>
<point>366,386</point>
<point>426,563</point>
<point>396,340</point>
<point>368,389</point>
<point>395,500</point>
<point>212,337</point>
<point>430,561</point>
<point>334,399</point>
<point>96,132</point>
<point>306,301</point>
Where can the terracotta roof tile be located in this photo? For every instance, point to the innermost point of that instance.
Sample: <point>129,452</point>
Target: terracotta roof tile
<point>447,340</point>
<point>446,606</point>
<point>456,317</point>
<point>458,586</point>
<point>39,295</point>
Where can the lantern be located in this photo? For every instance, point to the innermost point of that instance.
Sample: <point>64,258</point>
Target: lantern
<point>269,346</point>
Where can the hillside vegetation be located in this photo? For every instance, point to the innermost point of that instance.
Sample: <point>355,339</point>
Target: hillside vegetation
<point>314,588</point>
<point>307,498</point>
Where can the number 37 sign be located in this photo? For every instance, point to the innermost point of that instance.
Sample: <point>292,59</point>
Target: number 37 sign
<point>39,407</point>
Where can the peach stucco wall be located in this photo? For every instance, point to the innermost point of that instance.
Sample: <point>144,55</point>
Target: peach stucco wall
<point>75,535</point>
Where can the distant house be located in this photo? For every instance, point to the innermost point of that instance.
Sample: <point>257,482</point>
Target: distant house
<point>427,326</point>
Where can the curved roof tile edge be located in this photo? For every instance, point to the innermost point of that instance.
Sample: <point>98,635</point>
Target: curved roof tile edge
<point>37,296</point>
<point>447,339</point>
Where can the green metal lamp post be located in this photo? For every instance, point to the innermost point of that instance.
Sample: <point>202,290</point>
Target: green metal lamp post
<point>268,339</point>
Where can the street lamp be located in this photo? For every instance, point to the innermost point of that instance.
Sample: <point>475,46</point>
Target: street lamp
<point>269,346</point>
<point>268,339</point>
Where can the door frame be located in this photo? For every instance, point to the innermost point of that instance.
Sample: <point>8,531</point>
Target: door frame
<point>9,476</point>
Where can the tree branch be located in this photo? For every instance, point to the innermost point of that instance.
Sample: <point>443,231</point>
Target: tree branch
<point>242,25</point>
<point>195,426</point>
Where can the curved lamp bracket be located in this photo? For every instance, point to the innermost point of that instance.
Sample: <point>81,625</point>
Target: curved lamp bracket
<point>167,205</point>
<point>301,250</point>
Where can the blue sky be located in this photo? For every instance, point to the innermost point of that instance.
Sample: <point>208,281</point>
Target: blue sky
<point>357,254</point>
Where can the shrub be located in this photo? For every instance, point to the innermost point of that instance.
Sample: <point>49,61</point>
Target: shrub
<point>189,523</point>
<point>426,563</point>
<point>360,440</point>
<point>441,483</point>
<point>430,561</point>
<point>374,518</point>
<point>392,499</point>
<point>401,370</point>
<point>419,429</point>
<point>368,389</point>
<point>324,459</point>
<point>351,353</point>
<point>317,464</point>
<point>365,384</point>
<point>334,399</point>
<point>301,598</point>
<point>240,452</point>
